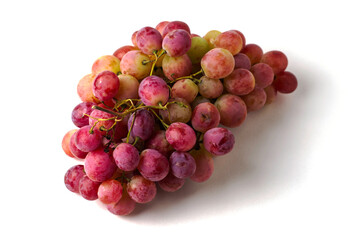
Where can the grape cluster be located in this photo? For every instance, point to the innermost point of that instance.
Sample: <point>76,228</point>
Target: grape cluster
<point>157,112</point>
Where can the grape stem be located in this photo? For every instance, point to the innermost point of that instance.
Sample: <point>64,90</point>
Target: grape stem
<point>192,77</point>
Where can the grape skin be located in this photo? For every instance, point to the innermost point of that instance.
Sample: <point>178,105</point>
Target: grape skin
<point>176,112</point>
<point>254,52</point>
<point>182,164</point>
<point>128,89</point>
<point>277,60</point>
<point>110,191</point>
<point>205,116</point>
<point>143,125</point>
<point>86,141</point>
<point>175,67</point>
<point>106,63</point>
<point>229,40</point>
<point>84,89</point>
<point>232,110</point>
<point>242,61</point>
<point>124,206</point>
<point>132,64</point>
<point>219,141</point>
<point>120,52</point>
<point>141,190</point>
<point>263,74</point>
<point>255,100</point>
<point>285,82</point>
<point>181,136</point>
<point>153,165</point>
<point>72,178</point>
<point>148,40</point>
<point>199,47</point>
<point>153,90</point>
<point>211,36</point>
<point>158,142</point>
<point>171,26</point>
<point>78,154</point>
<point>88,188</point>
<point>271,93</point>
<point>99,165</point>
<point>240,82</point>
<point>204,165</point>
<point>126,157</point>
<point>186,89</point>
<point>106,85</point>
<point>218,63</point>
<point>77,115</point>
<point>161,26</point>
<point>176,43</point>
<point>171,183</point>
<point>210,88</point>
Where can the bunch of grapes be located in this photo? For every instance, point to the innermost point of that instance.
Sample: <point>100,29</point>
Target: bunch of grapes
<point>156,113</point>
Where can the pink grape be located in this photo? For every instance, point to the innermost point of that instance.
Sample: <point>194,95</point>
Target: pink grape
<point>175,67</point>
<point>65,143</point>
<point>171,26</point>
<point>143,124</point>
<point>106,85</point>
<point>72,178</point>
<point>86,141</point>
<point>232,110</point>
<point>285,82</point>
<point>120,52</point>
<point>84,89</point>
<point>77,115</point>
<point>254,52</point>
<point>176,112</point>
<point>204,165</point>
<point>160,27</point>
<point>99,165</point>
<point>176,43</point>
<point>136,64</point>
<point>229,40</point>
<point>270,94</point>
<point>239,82</point>
<point>210,88</point>
<point>153,90</point>
<point>88,188</point>
<point>133,38</point>
<point>158,142</point>
<point>148,40</point>
<point>255,100</point>
<point>124,206</point>
<point>205,116</point>
<point>128,89</point>
<point>182,164</point>
<point>141,190</point>
<point>186,89</point>
<point>106,63</point>
<point>98,114</point>
<point>153,165</point>
<point>181,136</point>
<point>263,74</point>
<point>277,60</point>
<point>171,183</point>
<point>219,141</point>
<point>126,157</point>
<point>74,150</point>
<point>241,35</point>
<point>110,191</point>
<point>218,63</point>
<point>242,61</point>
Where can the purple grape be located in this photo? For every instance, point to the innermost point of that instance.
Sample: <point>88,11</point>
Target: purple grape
<point>171,183</point>
<point>99,165</point>
<point>141,190</point>
<point>176,43</point>
<point>86,141</point>
<point>143,125</point>
<point>204,165</point>
<point>153,90</point>
<point>158,142</point>
<point>285,82</point>
<point>110,191</point>
<point>181,136</point>
<point>88,188</point>
<point>263,74</point>
<point>182,164</point>
<point>242,61</point>
<point>205,116</point>
<point>106,85</point>
<point>219,141</point>
<point>77,115</point>
<point>126,157</point>
<point>153,165</point>
<point>72,178</point>
<point>148,40</point>
<point>74,150</point>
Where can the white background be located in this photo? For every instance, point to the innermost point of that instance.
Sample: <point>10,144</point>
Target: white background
<point>294,173</point>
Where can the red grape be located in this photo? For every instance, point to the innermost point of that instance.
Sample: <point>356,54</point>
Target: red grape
<point>153,165</point>
<point>176,112</point>
<point>160,27</point>
<point>285,82</point>
<point>239,82</point>
<point>181,136</point>
<point>84,89</point>
<point>74,150</point>
<point>175,67</point>
<point>158,142</point>
<point>176,43</point>
<point>270,94</point>
<point>210,88</point>
<point>148,40</point>
<point>65,143</point>
<point>106,63</point>
<point>175,25</point>
<point>229,40</point>
<point>182,164</point>
<point>77,115</point>
<point>219,141</point>
<point>242,61</point>
<point>232,110</point>
<point>171,183</point>
<point>124,206</point>
<point>205,116</point>
<point>153,90</point>
<point>263,74</point>
<point>87,141</point>
<point>99,165</point>
<point>204,165</point>
<point>120,52</point>
<point>126,157</point>
<point>72,178</point>
<point>136,64</point>
<point>141,190</point>
<point>110,191</point>
<point>255,100</point>
<point>254,52</point>
<point>88,188</point>
<point>143,125</point>
<point>186,89</point>
<point>218,63</point>
<point>277,60</point>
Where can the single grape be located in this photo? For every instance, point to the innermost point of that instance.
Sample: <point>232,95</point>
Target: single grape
<point>87,140</point>
<point>176,112</point>
<point>110,191</point>
<point>160,27</point>
<point>285,82</point>
<point>72,178</point>
<point>129,87</point>
<point>232,110</point>
<point>136,64</point>
<point>239,82</point>
<point>211,36</point>
<point>153,90</point>
<point>218,141</point>
<point>88,188</point>
<point>106,85</point>
<point>158,142</point>
<point>270,94</point>
<point>126,157</point>
<point>141,190</point>
<point>186,89</point>
<point>124,206</point>
<point>153,165</point>
<point>263,74</point>
<point>84,89</point>
<point>199,47</point>
<point>148,40</point>
<point>242,61</point>
<point>171,183</point>
<point>210,88</point>
<point>99,165</point>
<point>143,125</point>
<point>106,63</point>
<point>254,52</point>
<point>182,164</point>
<point>218,63</point>
<point>77,115</point>
<point>78,154</point>
<point>198,100</point>
<point>277,60</point>
<point>120,52</point>
<point>176,43</point>
<point>65,143</point>
<point>205,116</point>
<point>229,40</point>
<point>175,67</point>
<point>171,26</point>
<point>204,165</point>
<point>181,136</point>
<point>255,100</point>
